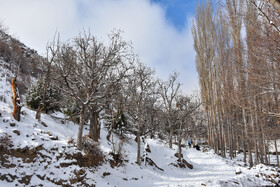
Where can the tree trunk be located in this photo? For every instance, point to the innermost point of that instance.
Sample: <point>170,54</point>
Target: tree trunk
<point>230,141</point>
<point>255,139</point>
<point>96,130</point>
<point>15,100</point>
<point>81,127</point>
<point>264,145</point>
<point>43,102</point>
<point>39,111</point>
<point>112,126</point>
<point>138,146</point>
<point>276,150</point>
<point>170,135</point>
<point>180,143</point>
<point>180,148</point>
<point>244,148</point>
<point>93,125</point>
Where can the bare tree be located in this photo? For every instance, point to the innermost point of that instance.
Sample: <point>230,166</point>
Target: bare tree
<point>46,67</point>
<point>169,90</point>
<point>90,72</point>
<point>186,107</point>
<point>138,89</point>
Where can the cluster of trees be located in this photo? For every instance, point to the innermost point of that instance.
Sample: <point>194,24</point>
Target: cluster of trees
<point>106,80</point>
<point>238,54</point>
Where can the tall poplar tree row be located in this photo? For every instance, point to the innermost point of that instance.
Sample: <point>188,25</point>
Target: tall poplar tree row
<point>237,59</point>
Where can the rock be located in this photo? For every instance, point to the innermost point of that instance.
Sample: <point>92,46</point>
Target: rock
<point>63,164</point>
<point>54,138</point>
<point>23,113</point>
<point>273,175</point>
<point>44,124</point>
<point>16,132</point>
<point>25,179</point>
<point>7,177</point>
<point>49,133</point>
<point>238,171</point>
<point>267,176</point>
<point>106,174</point>
<point>147,148</point>
<point>38,148</point>
<point>12,124</point>
<point>80,172</point>
<point>41,177</point>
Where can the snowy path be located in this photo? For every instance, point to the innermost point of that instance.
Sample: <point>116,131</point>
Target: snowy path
<point>208,168</point>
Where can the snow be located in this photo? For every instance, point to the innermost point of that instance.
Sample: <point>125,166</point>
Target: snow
<point>209,168</point>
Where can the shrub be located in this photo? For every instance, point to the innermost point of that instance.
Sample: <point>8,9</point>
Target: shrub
<point>34,96</point>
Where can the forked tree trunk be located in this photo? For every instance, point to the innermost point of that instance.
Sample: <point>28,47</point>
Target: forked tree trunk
<point>15,101</point>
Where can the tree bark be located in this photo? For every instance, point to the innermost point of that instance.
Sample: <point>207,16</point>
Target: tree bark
<point>81,127</point>
<point>93,124</point>
<point>112,125</point>
<point>275,4</point>
<point>138,146</point>
<point>15,100</point>
<point>277,155</point>
<point>43,102</point>
<point>264,145</point>
<point>170,134</point>
<point>180,148</point>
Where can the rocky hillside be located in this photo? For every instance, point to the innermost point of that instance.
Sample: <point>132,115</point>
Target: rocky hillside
<point>20,59</point>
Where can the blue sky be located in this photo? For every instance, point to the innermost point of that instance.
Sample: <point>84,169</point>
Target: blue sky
<point>177,10</point>
<point>160,30</point>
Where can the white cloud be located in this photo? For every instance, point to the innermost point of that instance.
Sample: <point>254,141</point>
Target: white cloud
<point>157,42</point>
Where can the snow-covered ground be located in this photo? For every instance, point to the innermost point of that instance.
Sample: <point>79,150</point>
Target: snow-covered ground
<point>51,164</point>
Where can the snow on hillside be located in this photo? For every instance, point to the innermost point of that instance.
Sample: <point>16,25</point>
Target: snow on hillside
<point>41,154</point>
